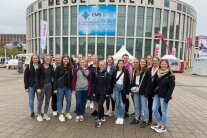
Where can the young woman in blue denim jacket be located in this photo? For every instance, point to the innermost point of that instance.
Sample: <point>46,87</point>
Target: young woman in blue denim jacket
<point>63,85</point>
<point>110,69</point>
<point>120,83</point>
<point>163,85</point>
<point>31,81</point>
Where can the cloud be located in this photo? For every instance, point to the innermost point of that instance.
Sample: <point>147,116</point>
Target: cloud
<point>13,16</point>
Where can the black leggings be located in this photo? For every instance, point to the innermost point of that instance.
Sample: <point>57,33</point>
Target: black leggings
<point>100,98</point>
<point>108,99</point>
<point>150,103</point>
<point>127,105</point>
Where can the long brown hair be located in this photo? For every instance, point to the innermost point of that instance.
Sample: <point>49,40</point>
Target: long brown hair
<point>69,66</point>
<point>117,67</point>
<point>146,67</point>
<point>112,60</point>
<point>137,70</point>
<point>31,62</point>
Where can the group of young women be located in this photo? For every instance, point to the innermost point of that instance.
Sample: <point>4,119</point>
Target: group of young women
<point>150,83</point>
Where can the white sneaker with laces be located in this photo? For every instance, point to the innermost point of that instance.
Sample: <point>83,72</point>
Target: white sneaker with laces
<point>46,117</point>
<point>39,118</point>
<point>161,129</point>
<point>103,119</point>
<point>121,122</point>
<point>61,118</point>
<point>91,105</point>
<point>54,113</point>
<point>68,116</point>
<point>108,113</point>
<point>155,126</point>
<point>118,121</point>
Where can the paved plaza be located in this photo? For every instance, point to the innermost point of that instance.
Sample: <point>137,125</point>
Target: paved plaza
<point>187,114</point>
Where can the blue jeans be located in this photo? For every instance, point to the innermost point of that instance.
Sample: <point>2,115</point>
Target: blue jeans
<point>141,103</point>
<point>120,106</point>
<point>157,102</point>
<point>61,92</point>
<point>31,93</point>
<point>81,98</point>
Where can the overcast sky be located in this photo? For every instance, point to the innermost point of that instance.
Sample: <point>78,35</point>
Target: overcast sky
<point>13,18</point>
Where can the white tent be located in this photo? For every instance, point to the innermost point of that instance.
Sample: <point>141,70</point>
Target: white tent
<point>173,61</point>
<point>121,52</point>
<point>169,57</point>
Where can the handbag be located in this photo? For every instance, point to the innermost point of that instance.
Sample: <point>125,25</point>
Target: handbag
<point>135,89</point>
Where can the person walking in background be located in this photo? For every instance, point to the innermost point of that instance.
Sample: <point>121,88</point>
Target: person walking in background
<point>128,67</point>
<point>163,85</point>
<point>62,86</point>
<point>46,74</point>
<point>54,95</point>
<point>101,89</point>
<point>31,81</point>
<point>93,68</point>
<point>120,83</point>
<point>81,87</point>
<point>152,70</point>
<point>110,69</point>
<point>20,65</point>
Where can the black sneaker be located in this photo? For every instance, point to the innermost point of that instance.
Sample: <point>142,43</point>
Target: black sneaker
<point>149,122</point>
<point>95,113</point>
<point>98,123</point>
<point>143,124</point>
<point>126,115</point>
<point>134,121</point>
<point>33,115</point>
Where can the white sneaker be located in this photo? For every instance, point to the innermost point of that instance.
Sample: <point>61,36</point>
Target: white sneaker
<point>68,116</point>
<point>54,113</point>
<point>155,126</point>
<point>118,121</point>
<point>161,129</point>
<point>46,117</point>
<point>39,118</point>
<point>91,105</point>
<point>61,118</point>
<point>121,121</point>
<point>86,106</point>
<point>103,119</point>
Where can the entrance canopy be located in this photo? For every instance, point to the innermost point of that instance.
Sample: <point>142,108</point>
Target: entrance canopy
<point>121,52</point>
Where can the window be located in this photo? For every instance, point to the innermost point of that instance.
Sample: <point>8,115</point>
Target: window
<point>120,43</point>
<point>140,21</point>
<point>40,18</point>
<point>172,18</point>
<point>82,45</point>
<point>73,20</point>
<point>58,15</point>
<point>100,47</point>
<point>165,23</point>
<point>110,46</point>
<point>147,47</point>
<point>73,46</point>
<point>149,22</point>
<point>65,46</point>
<point>121,21</point>
<point>130,45</point>
<point>35,29</point>
<point>177,23</point>
<point>51,22</point>
<point>91,45</point>
<point>157,21</point>
<point>65,20</point>
<point>138,51</point>
<point>131,21</point>
<point>57,46</point>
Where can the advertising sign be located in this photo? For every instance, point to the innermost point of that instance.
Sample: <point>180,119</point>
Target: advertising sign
<point>202,47</point>
<point>157,50</point>
<point>97,20</point>
<point>43,34</point>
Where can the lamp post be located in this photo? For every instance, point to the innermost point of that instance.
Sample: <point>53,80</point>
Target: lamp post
<point>5,59</point>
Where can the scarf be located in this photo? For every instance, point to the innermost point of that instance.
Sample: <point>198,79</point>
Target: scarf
<point>161,73</point>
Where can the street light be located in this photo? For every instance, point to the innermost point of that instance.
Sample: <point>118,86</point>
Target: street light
<point>162,37</point>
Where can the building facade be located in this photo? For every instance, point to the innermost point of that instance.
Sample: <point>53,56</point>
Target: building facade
<point>13,39</point>
<point>136,23</point>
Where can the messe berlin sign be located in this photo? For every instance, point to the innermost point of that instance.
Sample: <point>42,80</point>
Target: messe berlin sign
<point>97,20</point>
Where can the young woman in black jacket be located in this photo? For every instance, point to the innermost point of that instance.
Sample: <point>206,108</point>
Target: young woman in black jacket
<point>141,79</point>
<point>46,73</point>
<point>121,85</point>
<point>31,81</point>
<point>62,86</point>
<point>163,85</point>
<point>101,89</point>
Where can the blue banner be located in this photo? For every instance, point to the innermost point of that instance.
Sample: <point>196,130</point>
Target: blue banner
<point>97,20</point>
